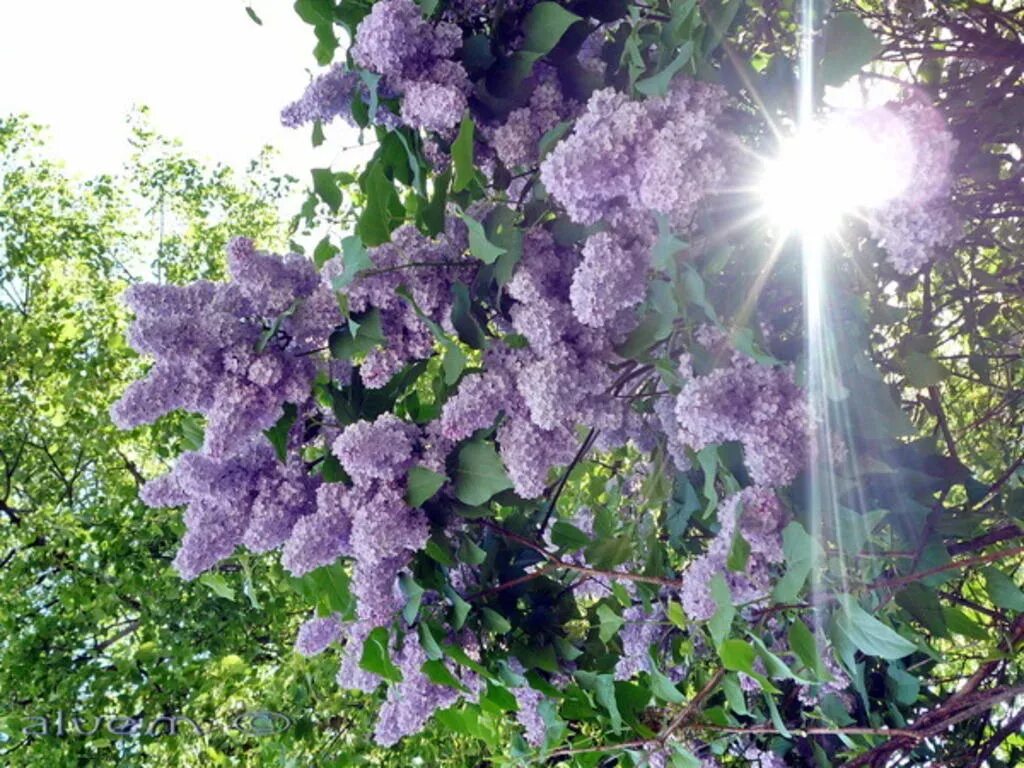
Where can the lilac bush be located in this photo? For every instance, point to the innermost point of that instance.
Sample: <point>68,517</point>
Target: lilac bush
<point>531,411</point>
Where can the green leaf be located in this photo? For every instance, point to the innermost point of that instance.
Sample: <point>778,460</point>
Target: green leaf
<point>657,85</point>
<point>737,655</point>
<point>718,24</point>
<point>327,588</point>
<point>252,15</point>
<point>376,658</point>
<point>437,548</point>
<point>470,553</point>
<point>498,699</point>
<point>662,687</point>
<point>609,552</point>
<point>961,624</point>
<point>362,334</point>
<point>383,210</point>
<point>544,27</point>
<point>922,603</point>
<point>676,615</point>
<point>922,371</point>
<point>315,12</point>
<point>1002,590</point>
<point>696,293</point>
<point>413,597</point>
<point>500,226</point>
<point>720,624</point>
<point>325,251</point>
<point>454,363</point>
<point>683,758</point>
<point>462,156</point>
<point>903,685</point>
<point>494,621</point>
<point>460,609</point>
<point>463,320</point>
<point>355,259</point>
<point>437,672</point>
<point>707,458</point>
<point>666,247</point>
<point>218,585</point>
<point>479,245</point>
<point>739,552</point>
<point>609,622</point>
<point>869,634</point>
<point>480,473</point>
<point>326,188</point>
<point>433,213</point>
<point>803,643</point>
<point>422,485</point>
<point>603,688</point>
<point>801,552</point>
<point>192,432</point>
<point>849,45</point>
<point>568,537</point>
<point>278,434</point>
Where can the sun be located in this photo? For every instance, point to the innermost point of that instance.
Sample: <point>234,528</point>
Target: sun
<point>830,169</point>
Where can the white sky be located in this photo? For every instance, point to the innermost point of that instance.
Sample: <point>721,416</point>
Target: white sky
<point>210,76</point>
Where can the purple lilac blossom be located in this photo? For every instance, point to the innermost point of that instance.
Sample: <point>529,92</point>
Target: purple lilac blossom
<point>376,450</point>
<point>760,519</point>
<point>626,157</point>
<point>919,220</point>
<point>516,140</point>
<point>640,631</point>
<point>476,404</point>
<point>414,56</point>
<point>530,452</point>
<point>250,498</point>
<point>758,405</point>
<point>427,269</point>
<point>327,97</point>
<point>322,537</point>
<point>414,700</point>
<point>611,277</point>
<point>318,633</point>
<point>528,715</point>
<point>205,339</point>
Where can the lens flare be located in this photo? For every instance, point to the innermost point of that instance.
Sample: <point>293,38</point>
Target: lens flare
<point>833,168</point>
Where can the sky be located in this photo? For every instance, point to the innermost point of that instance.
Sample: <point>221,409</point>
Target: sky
<point>210,76</point>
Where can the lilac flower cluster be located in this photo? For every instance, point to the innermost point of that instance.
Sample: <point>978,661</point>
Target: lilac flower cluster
<point>427,269</point>
<point>630,158</point>
<point>234,352</point>
<point>327,97</point>
<point>612,277</point>
<point>414,56</point>
<point>760,406</point>
<point>411,702</point>
<point>640,631</point>
<point>206,338</point>
<point>543,391</point>
<point>316,634</point>
<point>919,220</point>
<point>516,141</point>
<point>248,498</point>
<point>528,701</point>
<point>755,514</point>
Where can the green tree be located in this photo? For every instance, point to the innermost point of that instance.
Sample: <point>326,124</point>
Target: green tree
<point>95,623</point>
